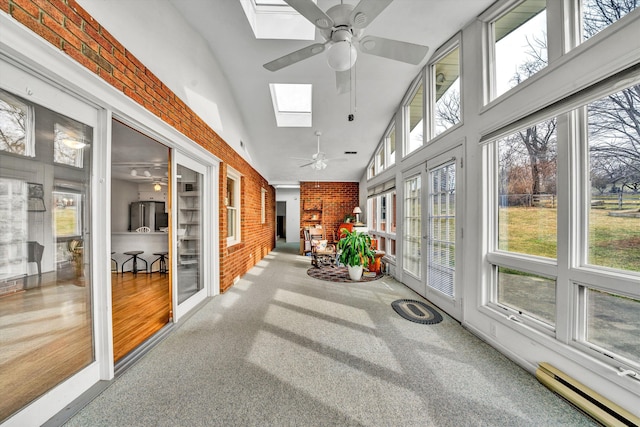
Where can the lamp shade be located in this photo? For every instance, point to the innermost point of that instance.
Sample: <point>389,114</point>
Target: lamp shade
<point>342,55</point>
<point>357,210</point>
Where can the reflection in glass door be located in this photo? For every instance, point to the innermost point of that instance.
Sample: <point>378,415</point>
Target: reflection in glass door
<point>189,232</point>
<point>441,241</point>
<point>45,243</point>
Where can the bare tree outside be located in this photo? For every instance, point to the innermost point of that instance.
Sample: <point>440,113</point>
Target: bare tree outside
<point>13,127</point>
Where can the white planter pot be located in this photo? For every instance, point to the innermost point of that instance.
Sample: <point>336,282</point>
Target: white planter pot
<point>355,273</point>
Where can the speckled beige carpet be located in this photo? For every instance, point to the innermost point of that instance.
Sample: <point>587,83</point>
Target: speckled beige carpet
<point>283,349</point>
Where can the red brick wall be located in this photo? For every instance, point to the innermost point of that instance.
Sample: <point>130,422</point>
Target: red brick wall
<point>67,26</point>
<point>338,199</point>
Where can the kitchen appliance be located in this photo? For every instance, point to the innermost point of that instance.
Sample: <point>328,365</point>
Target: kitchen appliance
<point>147,214</point>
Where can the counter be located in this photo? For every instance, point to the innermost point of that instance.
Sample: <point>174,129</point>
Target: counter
<point>131,241</point>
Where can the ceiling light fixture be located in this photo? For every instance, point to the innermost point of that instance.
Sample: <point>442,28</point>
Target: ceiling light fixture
<point>342,54</point>
<point>147,173</point>
<point>319,165</point>
<point>134,172</point>
<point>157,187</point>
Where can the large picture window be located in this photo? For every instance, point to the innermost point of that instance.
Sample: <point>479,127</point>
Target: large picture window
<point>527,198</point>
<point>614,171</point>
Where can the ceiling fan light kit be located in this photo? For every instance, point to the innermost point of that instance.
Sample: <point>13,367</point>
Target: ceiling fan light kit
<point>342,55</point>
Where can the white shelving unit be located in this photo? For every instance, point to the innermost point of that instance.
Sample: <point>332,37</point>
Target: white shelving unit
<point>188,224</point>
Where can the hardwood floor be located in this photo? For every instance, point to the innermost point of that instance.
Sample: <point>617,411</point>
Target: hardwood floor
<point>46,331</point>
<point>141,307</point>
<point>45,337</point>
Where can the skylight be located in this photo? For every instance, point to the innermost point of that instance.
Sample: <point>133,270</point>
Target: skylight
<point>274,19</point>
<point>291,104</point>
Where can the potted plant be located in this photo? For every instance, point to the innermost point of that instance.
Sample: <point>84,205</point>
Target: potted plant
<point>355,252</point>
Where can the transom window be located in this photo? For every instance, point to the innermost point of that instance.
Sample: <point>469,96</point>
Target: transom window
<point>445,77</point>
<point>414,135</point>
<point>519,44</point>
<point>599,14</point>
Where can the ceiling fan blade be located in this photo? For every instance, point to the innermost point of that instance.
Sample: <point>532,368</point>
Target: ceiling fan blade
<point>366,11</point>
<point>393,49</point>
<point>293,57</point>
<point>343,81</point>
<point>312,12</point>
<point>307,164</point>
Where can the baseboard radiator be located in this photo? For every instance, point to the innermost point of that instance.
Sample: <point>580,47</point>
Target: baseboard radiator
<point>598,407</point>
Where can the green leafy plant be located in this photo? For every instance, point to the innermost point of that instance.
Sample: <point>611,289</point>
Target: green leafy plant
<point>355,248</point>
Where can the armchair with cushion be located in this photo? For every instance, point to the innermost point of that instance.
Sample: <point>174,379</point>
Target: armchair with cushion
<point>322,253</point>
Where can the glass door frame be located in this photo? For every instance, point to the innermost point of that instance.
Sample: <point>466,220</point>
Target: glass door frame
<point>208,229</point>
<point>408,278</point>
<point>452,305</point>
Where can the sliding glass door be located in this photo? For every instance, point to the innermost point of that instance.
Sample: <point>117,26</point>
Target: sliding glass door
<point>190,202</point>
<point>46,312</point>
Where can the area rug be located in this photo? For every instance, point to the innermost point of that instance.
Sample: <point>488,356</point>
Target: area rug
<point>416,311</point>
<point>337,274</point>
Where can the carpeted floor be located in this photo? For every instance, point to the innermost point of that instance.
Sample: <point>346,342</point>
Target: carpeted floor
<point>283,349</point>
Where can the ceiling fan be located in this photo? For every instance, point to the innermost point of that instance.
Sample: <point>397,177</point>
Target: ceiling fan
<point>342,26</point>
<point>319,160</point>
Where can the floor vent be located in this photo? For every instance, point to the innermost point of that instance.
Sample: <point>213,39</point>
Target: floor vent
<point>592,403</point>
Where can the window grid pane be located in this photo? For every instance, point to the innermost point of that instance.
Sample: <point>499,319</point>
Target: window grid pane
<point>527,211</point>
<point>528,294</point>
<point>614,169</point>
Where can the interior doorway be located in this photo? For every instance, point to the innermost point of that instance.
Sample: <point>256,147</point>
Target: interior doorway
<point>141,284</point>
<point>281,220</point>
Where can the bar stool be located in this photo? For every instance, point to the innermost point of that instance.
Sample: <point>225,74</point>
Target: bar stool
<point>114,261</point>
<point>134,257</point>
<point>162,268</point>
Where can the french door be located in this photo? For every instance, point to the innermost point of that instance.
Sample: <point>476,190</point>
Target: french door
<point>432,230</point>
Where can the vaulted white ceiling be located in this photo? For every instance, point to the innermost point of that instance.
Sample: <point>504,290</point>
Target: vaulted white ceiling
<point>376,92</point>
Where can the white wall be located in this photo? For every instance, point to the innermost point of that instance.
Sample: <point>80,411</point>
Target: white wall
<point>292,197</point>
<point>120,200</point>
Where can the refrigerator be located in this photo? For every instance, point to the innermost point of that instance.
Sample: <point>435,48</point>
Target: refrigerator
<point>147,214</point>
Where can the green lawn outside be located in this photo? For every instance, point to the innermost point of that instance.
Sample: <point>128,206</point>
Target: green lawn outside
<point>614,241</point>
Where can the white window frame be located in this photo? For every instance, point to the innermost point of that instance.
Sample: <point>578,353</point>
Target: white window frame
<point>489,18</point>
<point>572,273</point>
<point>406,107</point>
<point>376,233</point>
<point>236,208</point>
<point>263,205</point>
<point>387,143</point>
<point>444,50</point>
